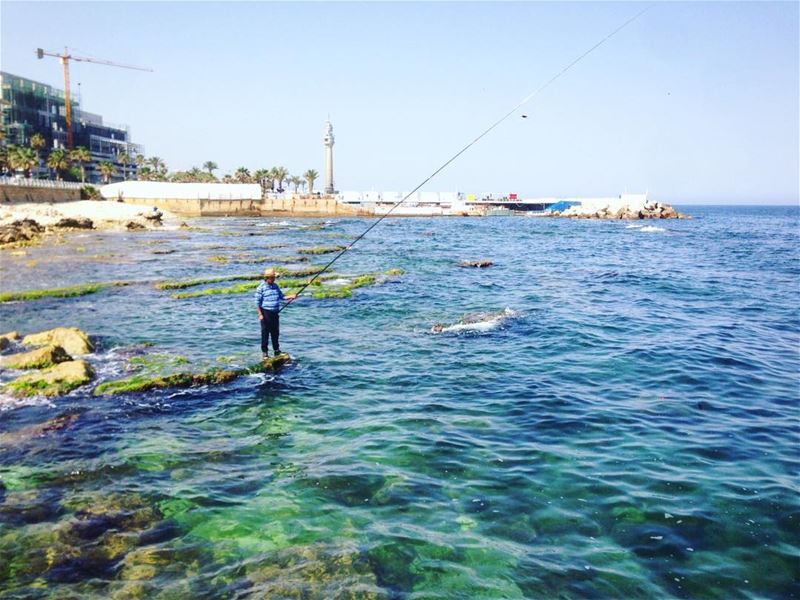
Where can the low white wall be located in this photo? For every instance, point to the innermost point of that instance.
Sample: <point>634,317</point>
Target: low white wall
<point>156,190</point>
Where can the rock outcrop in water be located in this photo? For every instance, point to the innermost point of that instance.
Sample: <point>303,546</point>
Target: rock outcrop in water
<point>53,381</point>
<point>54,372</point>
<point>626,207</point>
<point>71,339</point>
<point>40,358</point>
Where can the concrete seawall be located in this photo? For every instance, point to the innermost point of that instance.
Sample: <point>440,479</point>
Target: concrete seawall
<point>298,207</point>
<point>20,193</point>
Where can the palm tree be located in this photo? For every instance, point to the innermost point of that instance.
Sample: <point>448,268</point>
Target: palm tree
<point>227,178</point>
<point>242,175</point>
<point>3,158</point>
<point>158,165</point>
<point>261,176</point>
<point>295,181</point>
<point>37,142</point>
<point>311,176</point>
<point>106,169</point>
<point>58,160</point>
<point>281,173</point>
<point>81,156</point>
<point>22,158</point>
<point>124,159</point>
<point>210,166</point>
<point>139,161</point>
<point>145,173</point>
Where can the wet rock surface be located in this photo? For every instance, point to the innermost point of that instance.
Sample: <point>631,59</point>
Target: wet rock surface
<point>53,381</point>
<point>40,358</point>
<point>71,339</point>
<point>7,338</point>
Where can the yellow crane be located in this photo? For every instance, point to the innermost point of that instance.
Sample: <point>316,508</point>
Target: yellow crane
<point>65,58</point>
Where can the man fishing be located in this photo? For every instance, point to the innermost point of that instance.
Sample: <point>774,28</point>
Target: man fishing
<point>268,303</point>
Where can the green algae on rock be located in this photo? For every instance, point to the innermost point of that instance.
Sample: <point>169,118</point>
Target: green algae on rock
<point>155,363</point>
<point>394,272</point>
<point>179,284</point>
<point>62,292</point>
<point>54,381</point>
<point>239,288</point>
<point>288,286</point>
<point>184,283</point>
<point>72,339</point>
<point>321,250</point>
<point>40,358</point>
<point>213,376</point>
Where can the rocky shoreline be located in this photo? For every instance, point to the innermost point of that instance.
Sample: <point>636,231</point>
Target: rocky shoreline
<point>24,224</point>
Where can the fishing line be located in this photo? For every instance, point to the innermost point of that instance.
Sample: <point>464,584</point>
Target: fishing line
<point>524,101</point>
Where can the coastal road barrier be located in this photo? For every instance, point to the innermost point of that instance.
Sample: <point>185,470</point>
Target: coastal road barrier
<point>22,189</point>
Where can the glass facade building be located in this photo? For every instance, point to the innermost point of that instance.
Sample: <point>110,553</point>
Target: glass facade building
<point>30,107</point>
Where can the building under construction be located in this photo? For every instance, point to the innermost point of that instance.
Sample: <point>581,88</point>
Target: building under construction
<point>30,107</point>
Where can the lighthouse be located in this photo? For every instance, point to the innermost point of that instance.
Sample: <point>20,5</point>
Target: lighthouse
<point>328,141</point>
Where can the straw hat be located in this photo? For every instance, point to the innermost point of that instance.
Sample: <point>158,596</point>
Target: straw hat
<point>269,273</point>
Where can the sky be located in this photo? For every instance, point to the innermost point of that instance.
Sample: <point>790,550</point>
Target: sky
<point>692,102</point>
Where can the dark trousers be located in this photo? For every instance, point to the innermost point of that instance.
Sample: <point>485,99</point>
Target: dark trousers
<point>269,327</point>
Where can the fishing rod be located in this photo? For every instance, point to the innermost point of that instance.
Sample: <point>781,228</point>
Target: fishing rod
<point>519,105</point>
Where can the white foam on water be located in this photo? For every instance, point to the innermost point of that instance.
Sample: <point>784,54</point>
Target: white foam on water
<point>340,281</point>
<point>8,402</point>
<point>489,323</point>
<point>634,226</point>
<point>274,224</point>
<point>652,228</point>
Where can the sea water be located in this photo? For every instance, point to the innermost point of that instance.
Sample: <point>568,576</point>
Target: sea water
<point>632,431</point>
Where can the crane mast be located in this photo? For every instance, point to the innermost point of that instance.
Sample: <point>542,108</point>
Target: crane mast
<point>64,60</point>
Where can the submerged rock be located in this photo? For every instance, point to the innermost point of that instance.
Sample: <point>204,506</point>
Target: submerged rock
<point>54,381</point>
<point>72,339</point>
<point>315,571</point>
<point>40,358</point>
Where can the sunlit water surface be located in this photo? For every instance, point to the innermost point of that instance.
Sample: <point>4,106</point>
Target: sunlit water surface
<point>628,430</point>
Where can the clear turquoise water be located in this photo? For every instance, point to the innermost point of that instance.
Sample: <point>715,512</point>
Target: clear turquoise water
<point>631,433</point>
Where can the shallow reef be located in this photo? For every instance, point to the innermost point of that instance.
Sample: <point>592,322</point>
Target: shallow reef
<point>61,292</point>
<point>321,250</point>
<point>186,379</point>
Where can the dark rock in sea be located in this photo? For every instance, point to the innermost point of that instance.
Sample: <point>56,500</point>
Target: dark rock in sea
<point>73,223</point>
<point>161,532</point>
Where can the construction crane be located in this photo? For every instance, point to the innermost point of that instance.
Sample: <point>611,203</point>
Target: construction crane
<point>65,58</point>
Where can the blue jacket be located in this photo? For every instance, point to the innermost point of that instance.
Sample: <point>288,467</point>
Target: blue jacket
<point>269,296</point>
